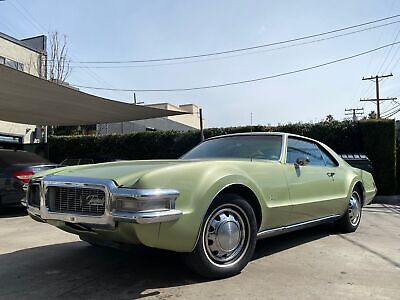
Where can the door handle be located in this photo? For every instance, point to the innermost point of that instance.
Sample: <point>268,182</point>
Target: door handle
<point>330,174</point>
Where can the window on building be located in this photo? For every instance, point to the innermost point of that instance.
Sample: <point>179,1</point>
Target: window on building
<point>11,63</point>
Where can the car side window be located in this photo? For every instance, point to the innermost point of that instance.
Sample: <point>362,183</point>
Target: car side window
<point>297,148</point>
<point>329,160</point>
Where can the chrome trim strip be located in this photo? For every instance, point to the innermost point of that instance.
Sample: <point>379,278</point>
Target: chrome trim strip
<point>111,190</point>
<point>288,228</point>
<point>147,217</point>
<point>145,194</point>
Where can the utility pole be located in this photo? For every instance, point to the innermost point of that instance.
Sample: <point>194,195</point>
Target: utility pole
<point>135,101</point>
<point>201,125</point>
<point>377,99</point>
<point>354,112</point>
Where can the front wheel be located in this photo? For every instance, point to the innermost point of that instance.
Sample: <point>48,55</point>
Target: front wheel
<point>351,219</point>
<point>227,238</point>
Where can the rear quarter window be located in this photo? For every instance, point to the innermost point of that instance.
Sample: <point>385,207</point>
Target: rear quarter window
<point>330,161</point>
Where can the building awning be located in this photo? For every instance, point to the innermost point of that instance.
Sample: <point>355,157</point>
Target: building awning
<point>30,100</point>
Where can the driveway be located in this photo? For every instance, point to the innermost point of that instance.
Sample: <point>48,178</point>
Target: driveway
<point>38,261</point>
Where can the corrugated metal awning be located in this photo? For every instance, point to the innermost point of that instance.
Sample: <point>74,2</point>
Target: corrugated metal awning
<point>30,100</point>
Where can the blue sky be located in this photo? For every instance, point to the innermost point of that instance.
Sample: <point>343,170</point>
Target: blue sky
<point>127,30</point>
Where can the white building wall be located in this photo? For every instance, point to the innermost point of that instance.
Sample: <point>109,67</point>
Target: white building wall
<point>31,60</point>
<point>32,64</point>
<point>185,122</point>
<point>192,119</point>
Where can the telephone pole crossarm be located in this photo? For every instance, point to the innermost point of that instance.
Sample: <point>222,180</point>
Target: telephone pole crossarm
<point>354,112</point>
<point>377,76</point>
<point>381,99</point>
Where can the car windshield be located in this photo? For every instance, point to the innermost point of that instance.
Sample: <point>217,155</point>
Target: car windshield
<point>267,147</point>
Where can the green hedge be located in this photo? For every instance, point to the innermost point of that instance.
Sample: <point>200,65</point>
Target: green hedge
<point>376,138</point>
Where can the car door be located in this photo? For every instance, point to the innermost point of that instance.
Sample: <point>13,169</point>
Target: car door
<point>338,188</point>
<point>311,183</point>
<point>267,172</point>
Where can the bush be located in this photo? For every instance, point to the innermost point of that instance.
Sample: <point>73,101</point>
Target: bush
<point>376,138</point>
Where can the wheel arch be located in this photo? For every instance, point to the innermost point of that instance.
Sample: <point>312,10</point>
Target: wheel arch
<point>247,194</point>
<point>241,189</point>
<point>359,185</point>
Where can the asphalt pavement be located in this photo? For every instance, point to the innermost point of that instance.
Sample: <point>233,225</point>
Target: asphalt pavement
<point>38,261</point>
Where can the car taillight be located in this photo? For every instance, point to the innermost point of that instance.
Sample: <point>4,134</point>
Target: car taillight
<point>23,176</point>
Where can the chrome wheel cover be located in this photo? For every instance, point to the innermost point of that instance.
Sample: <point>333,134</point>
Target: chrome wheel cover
<point>226,235</point>
<point>354,208</point>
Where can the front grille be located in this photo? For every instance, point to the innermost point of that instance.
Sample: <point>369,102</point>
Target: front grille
<point>33,195</point>
<point>77,200</point>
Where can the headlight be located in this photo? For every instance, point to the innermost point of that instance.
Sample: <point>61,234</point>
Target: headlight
<point>133,205</point>
<point>139,200</point>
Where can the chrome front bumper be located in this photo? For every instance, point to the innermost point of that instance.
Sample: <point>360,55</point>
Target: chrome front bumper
<point>111,215</point>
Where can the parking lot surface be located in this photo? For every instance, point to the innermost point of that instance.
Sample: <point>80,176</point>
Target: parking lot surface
<point>38,261</point>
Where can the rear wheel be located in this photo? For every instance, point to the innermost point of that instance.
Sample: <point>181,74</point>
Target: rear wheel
<point>351,219</point>
<point>227,238</point>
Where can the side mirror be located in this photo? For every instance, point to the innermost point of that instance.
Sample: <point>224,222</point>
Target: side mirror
<point>302,161</point>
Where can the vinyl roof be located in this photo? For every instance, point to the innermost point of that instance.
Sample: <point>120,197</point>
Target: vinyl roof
<point>31,100</point>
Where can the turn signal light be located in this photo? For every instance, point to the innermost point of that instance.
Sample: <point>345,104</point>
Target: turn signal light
<point>23,176</point>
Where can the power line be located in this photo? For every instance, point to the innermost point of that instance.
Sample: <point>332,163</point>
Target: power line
<point>380,38</point>
<point>395,55</point>
<point>243,81</point>
<point>392,113</point>
<point>366,90</point>
<point>240,49</point>
<point>119,66</point>
<point>388,53</point>
<point>27,16</point>
<point>390,110</point>
<point>31,19</point>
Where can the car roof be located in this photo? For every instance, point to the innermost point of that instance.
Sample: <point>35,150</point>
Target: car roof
<point>283,134</point>
<point>10,157</point>
<point>264,133</point>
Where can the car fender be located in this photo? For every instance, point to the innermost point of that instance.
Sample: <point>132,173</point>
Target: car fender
<point>195,199</point>
<point>355,178</point>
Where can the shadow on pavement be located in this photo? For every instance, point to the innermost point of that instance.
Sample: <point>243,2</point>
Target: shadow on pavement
<point>366,248</point>
<point>391,200</point>
<point>80,271</point>
<point>12,211</point>
<point>383,209</point>
<point>280,243</point>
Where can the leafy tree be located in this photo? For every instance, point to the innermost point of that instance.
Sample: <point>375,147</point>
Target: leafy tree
<point>372,115</point>
<point>329,119</point>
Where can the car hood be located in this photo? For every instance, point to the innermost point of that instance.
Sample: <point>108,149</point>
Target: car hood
<point>121,172</point>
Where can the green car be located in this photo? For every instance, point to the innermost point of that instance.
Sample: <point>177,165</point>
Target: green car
<point>212,204</point>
